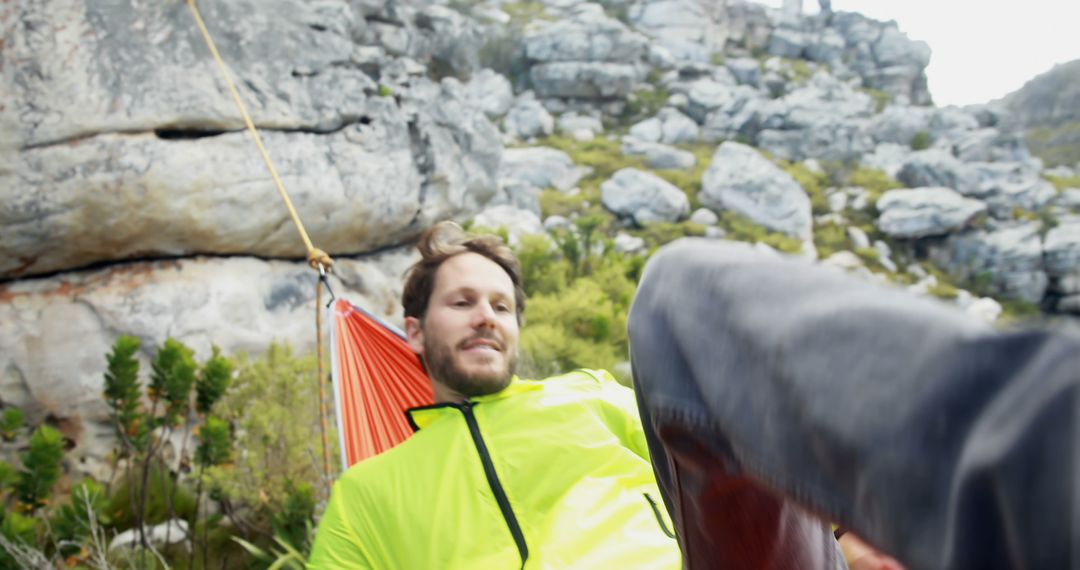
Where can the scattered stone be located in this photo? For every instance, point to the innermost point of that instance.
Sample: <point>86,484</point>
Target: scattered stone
<point>626,243</point>
<point>644,197</point>
<point>859,239</point>
<point>741,180</point>
<point>528,119</point>
<point>922,212</point>
<point>517,222</point>
<point>659,156</point>
<point>542,167</point>
<point>705,217</point>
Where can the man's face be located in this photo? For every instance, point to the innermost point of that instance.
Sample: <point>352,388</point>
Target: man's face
<point>469,336</point>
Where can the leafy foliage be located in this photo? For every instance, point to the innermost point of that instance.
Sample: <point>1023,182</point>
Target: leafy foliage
<point>11,421</point>
<point>922,140</point>
<point>172,378</point>
<point>213,381</point>
<point>741,228</point>
<point>122,392</point>
<point>41,467</point>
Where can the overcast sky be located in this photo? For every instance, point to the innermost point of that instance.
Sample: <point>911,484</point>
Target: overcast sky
<point>982,49</point>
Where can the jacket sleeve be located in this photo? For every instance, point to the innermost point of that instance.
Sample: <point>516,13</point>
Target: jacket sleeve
<point>337,544</point>
<point>620,412</point>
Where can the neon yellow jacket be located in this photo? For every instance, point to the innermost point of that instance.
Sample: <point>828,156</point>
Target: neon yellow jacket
<point>551,474</point>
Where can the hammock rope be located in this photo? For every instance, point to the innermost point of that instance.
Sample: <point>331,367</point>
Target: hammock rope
<point>316,258</point>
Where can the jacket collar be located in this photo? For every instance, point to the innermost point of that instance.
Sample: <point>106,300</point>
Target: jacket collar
<point>423,416</point>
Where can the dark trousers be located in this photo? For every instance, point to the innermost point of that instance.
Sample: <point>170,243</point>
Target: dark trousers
<point>778,395</point>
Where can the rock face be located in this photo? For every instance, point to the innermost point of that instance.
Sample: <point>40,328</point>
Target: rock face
<point>741,180</point>
<point>588,56</point>
<point>1048,109</point>
<point>922,212</point>
<point>644,197</point>
<point>56,332</point>
<point>142,162</point>
<point>541,167</point>
<point>1010,259</point>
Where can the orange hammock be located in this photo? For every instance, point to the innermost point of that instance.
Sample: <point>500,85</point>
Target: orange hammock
<point>376,378</point>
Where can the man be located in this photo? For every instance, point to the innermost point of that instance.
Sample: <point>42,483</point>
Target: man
<point>501,472</point>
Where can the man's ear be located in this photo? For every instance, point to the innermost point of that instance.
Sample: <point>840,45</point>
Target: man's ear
<point>414,333</point>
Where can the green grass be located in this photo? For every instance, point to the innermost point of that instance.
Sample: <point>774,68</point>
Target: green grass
<point>741,228</point>
<point>1055,145</point>
<point>1061,183</point>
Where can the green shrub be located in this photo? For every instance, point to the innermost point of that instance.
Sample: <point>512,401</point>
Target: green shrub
<point>644,103</point>
<point>41,468</point>
<point>814,183</point>
<point>829,239</point>
<point>660,233</point>
<point>922,140</point>
<point>273,404</point>
<point>11,421</point>
<point>943,290</point>
<point>875,182</point>
<point>689,181</point>
<point>1061,183</point>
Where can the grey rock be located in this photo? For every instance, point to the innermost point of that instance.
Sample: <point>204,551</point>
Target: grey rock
<point>787,43</point>
<point>859,239</point>
<point>571,123</point>
<point>747,71</point>
<point>490,92</point>
<point>1011,256</point>
<point>934,167</point>
<point>585,37</point>
<point>541,167</point>
<point>585,80</point>
<point>688,29</point>
<point>888,158</point>
<point>1061,251</point>
<point>1005,186</point>
<point>557,222</point>
<point>741,180</point>
<point>659,156</point>
<point>517,193</point>
<point>922,212</point>
<point>705,217</point>
<point>626,243</point>
<point>649,130</point>
<point>528,119</point>
<point>516,221</point>
<point>677,128</point>
<point>643,197</point>
<point>70,205</point>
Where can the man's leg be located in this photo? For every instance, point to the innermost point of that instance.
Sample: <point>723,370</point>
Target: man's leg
<point>770,386</point>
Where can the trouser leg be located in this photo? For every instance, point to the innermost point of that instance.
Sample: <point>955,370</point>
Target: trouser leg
<point>771,389</point>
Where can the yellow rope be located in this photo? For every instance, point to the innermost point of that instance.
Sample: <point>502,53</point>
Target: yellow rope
<point>316,257</point>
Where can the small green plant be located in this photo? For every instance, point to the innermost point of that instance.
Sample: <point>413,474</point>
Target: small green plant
<point>41,468</point>
<point>11,421</point>
<point>829,239</point>
<point>644,103</point>
<point>658,234</point>
<point>943,290</point>
<point>882,99</point>
<point>1061,183</point>
<point>922,140</point>
<point>813,182</point>
<point>385,91</point>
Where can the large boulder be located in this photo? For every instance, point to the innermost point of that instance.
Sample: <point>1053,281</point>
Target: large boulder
<point>921,212</point>
<point>669,126</point>
<point>1009,259</point>
<point>741,180</point>
<point>517,222</point>
<point>586,56</point>
<point>120,140</point>
<point>937,167</point>
<point>1006,186</point>
<point>643,197</point>
<point>885,57</point>
<point>1061,254</point>
<point>55,332</point>
<point>528,119</point>
<point>541,167</point>
<point>490,92</point>
<point>368,185</point>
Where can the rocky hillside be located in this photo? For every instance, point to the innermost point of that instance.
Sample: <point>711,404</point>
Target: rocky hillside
<point>131,201</point>
<point>1048,109</point>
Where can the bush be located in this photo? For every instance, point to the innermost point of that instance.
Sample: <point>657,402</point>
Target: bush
<point>921,141</point>
<point>829,239</point>
<point>274,405</point>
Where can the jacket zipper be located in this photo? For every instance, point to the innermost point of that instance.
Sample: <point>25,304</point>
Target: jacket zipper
<point>659,519</point>
<point>493,481</point>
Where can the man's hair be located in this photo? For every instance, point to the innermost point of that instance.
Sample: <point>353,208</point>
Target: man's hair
<point>443,241</point>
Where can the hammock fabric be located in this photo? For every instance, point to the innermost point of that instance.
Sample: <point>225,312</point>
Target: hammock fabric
<point>376,378</point>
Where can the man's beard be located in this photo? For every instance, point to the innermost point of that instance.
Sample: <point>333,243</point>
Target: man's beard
<point>441,366</point>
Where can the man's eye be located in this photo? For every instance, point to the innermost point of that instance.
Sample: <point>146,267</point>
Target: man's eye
<point>502,308</point>
<point>461,303</point>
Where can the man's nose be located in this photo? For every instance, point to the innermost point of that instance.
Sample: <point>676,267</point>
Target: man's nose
<point>483,316</point>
